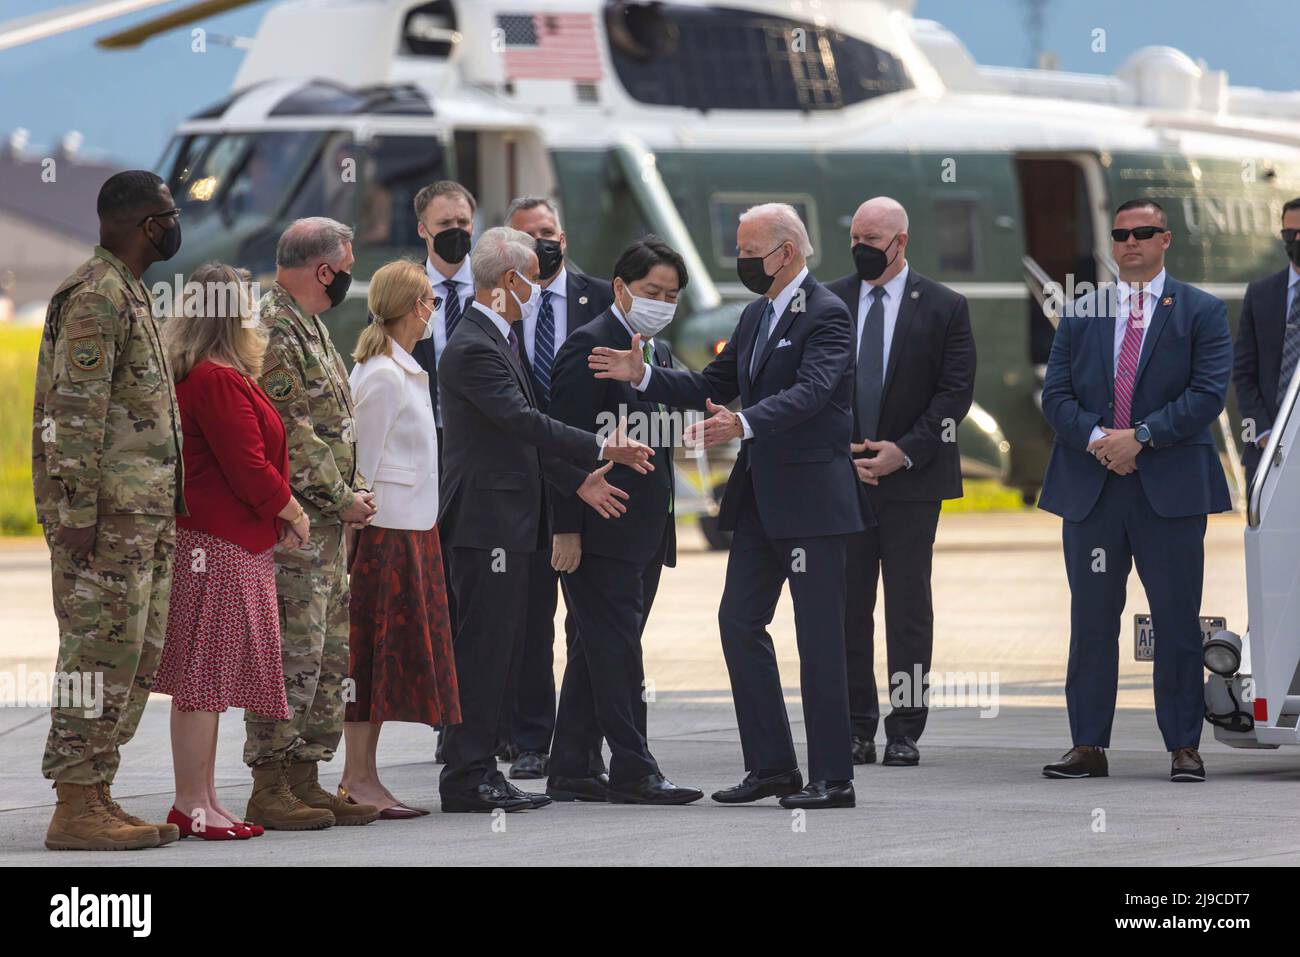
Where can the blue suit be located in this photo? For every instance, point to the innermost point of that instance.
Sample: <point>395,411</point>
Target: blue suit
<point>792,500</point>
<point>1154,516</point>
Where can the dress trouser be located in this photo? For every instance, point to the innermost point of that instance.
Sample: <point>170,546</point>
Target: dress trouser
<point>900,548</point>
<point>603,691</point>
<point>814,567</point>
<point>1121,530</point>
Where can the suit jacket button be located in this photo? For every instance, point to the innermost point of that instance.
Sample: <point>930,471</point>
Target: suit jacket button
<point>1110,405</point>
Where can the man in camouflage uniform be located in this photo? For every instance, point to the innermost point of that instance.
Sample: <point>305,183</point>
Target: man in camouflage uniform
<point>107,471</point>
<point>306,379</point>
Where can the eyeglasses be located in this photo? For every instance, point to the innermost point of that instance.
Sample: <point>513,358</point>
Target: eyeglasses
<point>1290,235</point>
<point>173,213</point>
<point>1139,232</point>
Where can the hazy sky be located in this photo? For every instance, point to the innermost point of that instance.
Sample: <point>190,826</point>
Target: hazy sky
<point>127,103</point>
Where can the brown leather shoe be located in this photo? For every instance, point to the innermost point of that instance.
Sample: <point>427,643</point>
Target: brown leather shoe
<point>167,833</point>
<point>82,822</point>
<point>305,785</point>
<point>1081,761</point>
<point>1187,765</point>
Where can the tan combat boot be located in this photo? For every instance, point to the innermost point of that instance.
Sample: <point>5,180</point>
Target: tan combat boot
<point>275,807</point>
<point>167,833</point>
<point>82,822</point>
<point>306,787</point>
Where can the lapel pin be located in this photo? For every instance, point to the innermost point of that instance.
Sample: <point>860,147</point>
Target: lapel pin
<point>1167,301</point>
<point>582,300</point>
<point>916,294</point>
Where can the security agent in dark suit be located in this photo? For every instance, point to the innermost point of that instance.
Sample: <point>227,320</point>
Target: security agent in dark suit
<point>1268,345</point>
<point>792,499</point>
<point>493,516</point>
<point>1133,383</point>
<point>611,568</point>
<point>569,301</point>
<point>914,383</point>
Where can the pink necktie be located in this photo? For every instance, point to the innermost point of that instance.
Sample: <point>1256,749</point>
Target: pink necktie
<point>1126,369</point>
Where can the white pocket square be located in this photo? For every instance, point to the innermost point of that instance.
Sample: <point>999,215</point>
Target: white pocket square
<point>783,343</point>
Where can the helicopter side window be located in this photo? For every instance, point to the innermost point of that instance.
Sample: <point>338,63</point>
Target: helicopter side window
<point>725,210</point>
<point>955,234</point>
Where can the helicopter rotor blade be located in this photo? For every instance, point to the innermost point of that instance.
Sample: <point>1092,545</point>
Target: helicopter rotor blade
<point>72,17</point>
<point>137,34</point>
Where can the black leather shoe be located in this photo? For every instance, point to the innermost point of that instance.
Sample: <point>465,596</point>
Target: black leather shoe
<point>533,798</point>
<point>819,795</point>
<point>901,752</point>
<point>1187,765</point>
<point>530,765</point>
<point>864,750</point>
<point>591,790</point>
<point>755,787</point>
<point>506,752</point>
<point>483,800</point>
<point>652,789</point>
<point>1079,762</point>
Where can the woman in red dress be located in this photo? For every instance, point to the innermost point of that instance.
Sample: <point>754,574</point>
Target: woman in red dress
<point>400,639</point>
<point>223,631</point>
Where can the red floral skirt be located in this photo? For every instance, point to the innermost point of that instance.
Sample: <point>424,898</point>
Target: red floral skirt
<point>400,639</point>
<point>223,629</point>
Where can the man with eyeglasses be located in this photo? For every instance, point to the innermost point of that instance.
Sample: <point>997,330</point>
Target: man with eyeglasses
<point>1268,345</point>
<point>107,471</point>
<point>1134,381</point>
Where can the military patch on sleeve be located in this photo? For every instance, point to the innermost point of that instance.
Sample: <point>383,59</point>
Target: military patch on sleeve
<point>86,352</point>
<point>279,383</point>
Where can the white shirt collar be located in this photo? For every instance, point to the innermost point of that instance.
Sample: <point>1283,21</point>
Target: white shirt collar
<point>1154,289</point>
<point>463,275</point>
<point>1293,277</point>
<point>405,359</point>
<point>783,298</point>
<point>560,284</point>
<point>502,326</point>
<point>893,289</point>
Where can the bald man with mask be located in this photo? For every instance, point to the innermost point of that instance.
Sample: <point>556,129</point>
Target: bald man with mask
<point>913,384</point>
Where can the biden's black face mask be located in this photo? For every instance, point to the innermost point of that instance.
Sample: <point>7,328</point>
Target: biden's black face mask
<point>753,273</point>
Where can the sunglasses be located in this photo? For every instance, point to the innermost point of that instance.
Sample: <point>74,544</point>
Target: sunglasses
<point>1141,232</point>
<point>173,213</point>
<point>1290,235</point>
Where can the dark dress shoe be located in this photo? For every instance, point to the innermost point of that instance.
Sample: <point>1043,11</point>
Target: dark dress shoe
<point>1187,766</point>
<point>578,789</point>
<point>901,752</point>
<point>758,785</point>
<point>1079,762</point>
<point>652,789</point>
<point>532,797</point>
<point>864,750</point>
<point>819,795</point>
<point>530,765</point>
<point>484,799</point>
<point>505,752</point>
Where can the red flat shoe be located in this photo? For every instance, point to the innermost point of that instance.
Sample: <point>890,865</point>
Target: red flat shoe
<point>400,812</point>
<point>186,825</point>
<point>255,830</point>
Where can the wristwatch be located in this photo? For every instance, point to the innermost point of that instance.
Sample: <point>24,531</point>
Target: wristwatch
<point>1142,433</point>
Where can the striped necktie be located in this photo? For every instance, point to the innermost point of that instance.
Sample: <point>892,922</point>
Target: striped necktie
<point>451,311</point>
<point>544,347</point>
<point>1130,351</point>
<point>1290,347</point>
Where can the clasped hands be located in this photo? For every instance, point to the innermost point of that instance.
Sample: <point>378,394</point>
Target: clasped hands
<point>889,458</point>
<point>1117,450</point>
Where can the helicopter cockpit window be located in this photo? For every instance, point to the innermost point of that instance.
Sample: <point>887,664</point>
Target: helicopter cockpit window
<point>269,170</point>
<point>709,58</point>
<point>394,169</point>
<point>330,186</point>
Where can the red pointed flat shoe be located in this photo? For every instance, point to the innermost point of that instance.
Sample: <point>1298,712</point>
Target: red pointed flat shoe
<point>186,825</point>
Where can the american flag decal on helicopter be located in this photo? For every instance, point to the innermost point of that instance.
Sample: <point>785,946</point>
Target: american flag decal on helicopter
<point>554,46</point>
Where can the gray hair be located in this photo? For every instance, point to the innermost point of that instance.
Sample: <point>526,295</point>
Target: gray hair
<point>783,223</point>
<point>498,251</point>
<point>314,239</point>
<point>522,204</point>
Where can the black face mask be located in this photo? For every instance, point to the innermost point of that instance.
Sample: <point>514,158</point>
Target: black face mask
<point>170,243</point>
<point>336,288</point>
<point>752,273</point>
<point>871,262</point>
<point>550,257</point>
<point>452,245</point>
<point>1293,251</point>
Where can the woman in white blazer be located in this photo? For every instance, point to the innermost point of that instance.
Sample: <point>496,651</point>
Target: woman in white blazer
<point>400,640</point>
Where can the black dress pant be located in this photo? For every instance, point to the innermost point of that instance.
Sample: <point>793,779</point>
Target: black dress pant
<point>491,589</point>
<point>756,571</point>
<point>528,720</point>
<point>603,691</point>
<point>901,550</point>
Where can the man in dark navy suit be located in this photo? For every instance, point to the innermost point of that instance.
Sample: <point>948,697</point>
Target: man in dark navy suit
<point>914,384</point>
<point>569,300</point>
<point>1268,345</point>
<point>792,500</point>
<point>611,568</point>
<point>1134,380</point>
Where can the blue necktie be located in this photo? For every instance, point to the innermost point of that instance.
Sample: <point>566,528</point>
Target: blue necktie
<point>760,341</point>
<point>451,311</point>
<point>544,347</point>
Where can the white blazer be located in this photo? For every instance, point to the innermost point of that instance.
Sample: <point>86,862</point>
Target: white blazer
<point>397,445</point>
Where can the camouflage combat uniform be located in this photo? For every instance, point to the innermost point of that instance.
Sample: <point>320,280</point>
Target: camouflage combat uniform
<point>306,379</point>
<point>106,452</point>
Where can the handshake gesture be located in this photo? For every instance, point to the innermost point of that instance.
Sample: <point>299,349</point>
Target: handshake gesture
<point>596,491</point>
